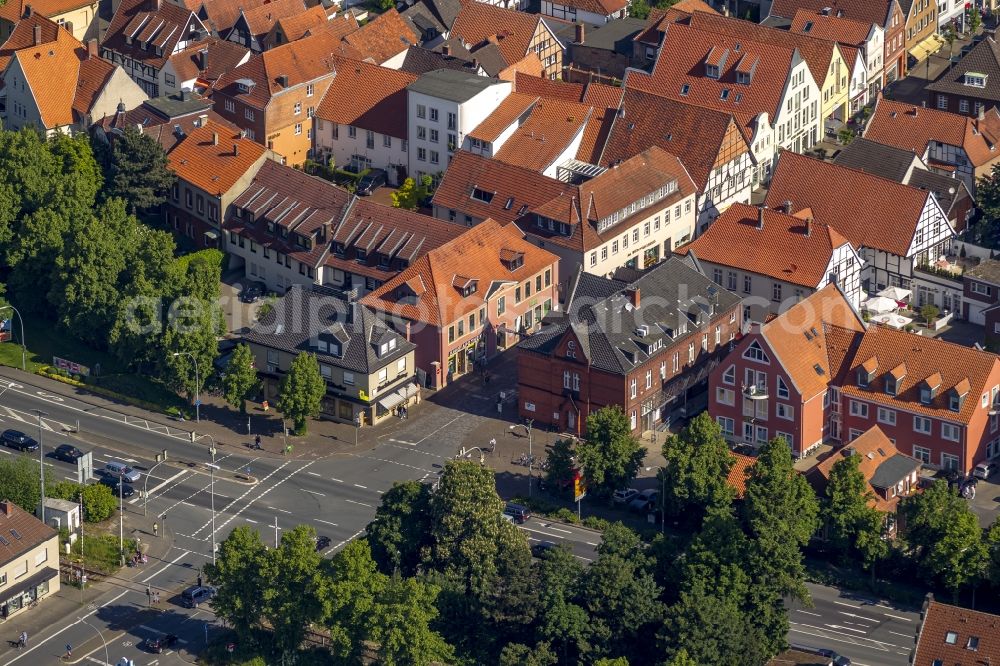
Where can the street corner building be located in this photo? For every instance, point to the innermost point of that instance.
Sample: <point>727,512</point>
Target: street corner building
<point>640,344</point>
<point>29,569</point>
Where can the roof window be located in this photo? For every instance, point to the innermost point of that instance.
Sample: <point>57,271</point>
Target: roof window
<point>951,638</point>
<point>975,79</point>
<point>482,195</point>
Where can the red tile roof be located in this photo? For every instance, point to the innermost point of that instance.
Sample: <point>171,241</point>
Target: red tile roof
<point>510,30</point>
<point>312,21</point>
<point>550,129</point>
<point>162,24</point>
<point>872,449</point>
<point>261,19</point>
<point>222,57</point>
<point>946,631</point>
<point>206,158</point>
<point>524,189</point>
<point>367,96</point>
<point>14,10</point>
<point>912,128</point>
<point>739,472</point>
<point>599,7</point>
<point>785,247</point>
<point>539,87</point>
<point>33,533</point>
<point>696,134</point>
<point>866,11</point>
<point>682,63</point>
<point>879,213</point>
<point>506,114</point>
<point>839,29</point>
<point>476,255</point>
<point>24,36</point>
<point>383,37</point>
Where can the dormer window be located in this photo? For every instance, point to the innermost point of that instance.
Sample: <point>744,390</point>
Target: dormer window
<point>338,249</point>
<point>743,77</point>
<point>955,402</point>
<point>482,195</point>
<point>929,388</point>
<point>975,79</point>
<point>512,259</point>
<point>893,379</point>
<point>360,254</point>
<point>383,260</point>
<point>270,228</point>
<point>926,395</point>
<point>864,377</point>
<point>724,95</point>
<point>712,71</point>
<point>335,349</point>
<point>890,385</point>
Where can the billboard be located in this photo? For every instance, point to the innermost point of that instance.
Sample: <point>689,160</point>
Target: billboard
<point>70,366</point>
<point>579,486</point>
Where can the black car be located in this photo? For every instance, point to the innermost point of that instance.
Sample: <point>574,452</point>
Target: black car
<point>539,549</point>
<point>371,181</point>
<point>322,543</point>
<point>113,482</point>
<point>16,439</point>
<point>158,645</point>
<point>67,453</point>
<point>252,292</point>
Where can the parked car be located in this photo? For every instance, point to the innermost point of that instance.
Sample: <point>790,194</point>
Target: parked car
<point>16,439</point>
<point>985,470</point>
<point>119,469</point>
<point>113,482</point>
<point>539,549</point>
<point>518,512</point>
<point>195,595</point>
<point>624,496</point>
<point>252,292</point>
<point>371,181</point>
<point>644,501</point>
<point>67,453</point>
<point>161,643</point>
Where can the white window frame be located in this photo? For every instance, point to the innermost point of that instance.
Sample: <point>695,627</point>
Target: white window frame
<point>859,409</point>
<point>887,416</point>
<point>951,432</point>
<point>919,421</point>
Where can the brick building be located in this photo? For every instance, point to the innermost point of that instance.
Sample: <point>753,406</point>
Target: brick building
<point>637,344</point>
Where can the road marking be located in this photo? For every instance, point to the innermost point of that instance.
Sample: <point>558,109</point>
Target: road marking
<point>313,492</point>
<point>837,626</point>
<point>897,617</point>
<point>337,480</point>
<point>313,474</point>
<point>361,503</point>
<point>150,629</point>
<point>528,529</point>
<point>96,661</point>
<point>325,522</point>
<point>350,538</point>
<point>159,486</point>
<point>841,603</point>
<point>158,572</point>
<point>358,485</point>
<point>403,441</point>
<point>859,617</point>
<point>899,634</point>
<point>556,529</point>
<point>589,543</point>
<point>799,610</point>
<point>250,520</point>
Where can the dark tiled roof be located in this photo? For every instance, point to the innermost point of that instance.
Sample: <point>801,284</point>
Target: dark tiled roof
<point>866,11</point>
<point>419,60</point>
<point>877,158</point>
<point>984,58</point>
<point>673,295</point>
<point>356,327</point>
<point>988,270</point>
<point>894,470</point>
<point>151,22</point>
<point>613,36</point>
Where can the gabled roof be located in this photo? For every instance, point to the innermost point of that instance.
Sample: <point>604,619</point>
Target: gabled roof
<point>367,96</point>
<point>768,242</point>
<point>222,57</point>
<point>516,191</point>
<point>842,30</point>
<point>298,25</point>
<point>812,338</point>
<point>946,633</point>
<point>913,128</point>
<point>30,530</point>
<point>510,30</point>
<point>213,158</point>
<point>301,61</point>
<point>513,107</point>
<point>984,58</point>
<point>23,36</point>
<point>960,368</point>
<point>675,300</point>
<point>357,329</point>
<point>879,461</point>
<point>476,255</point>
<point>261,19</point>
<point>680,73</point>
<point>865,11</point>
<point>553,89</point>
<point>420,60</point>
<point>696,134</point>
<point>877,158</point>
<point>383,37</point>
<point>658,19</point>
<point>599,7</point>
<point>879,213</point>
<point>166,124</point>
<point>153,23</point>
<point>548,131</point>
<point>15,10</point>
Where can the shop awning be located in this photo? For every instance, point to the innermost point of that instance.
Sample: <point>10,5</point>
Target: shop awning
<point>20,588</point>
<point>925,47</point>
<point>391,400</point>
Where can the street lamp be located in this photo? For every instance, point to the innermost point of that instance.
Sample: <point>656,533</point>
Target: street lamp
<point>197,384</point>
<point>213,467</point>
<point>145,485</point>
<point>41,458</point>
<point>24,349</point>
<point>467,453</point>
<point>531,459</point>
<point>107,658</point>
<point>663,496</point>
<point>121,519</point>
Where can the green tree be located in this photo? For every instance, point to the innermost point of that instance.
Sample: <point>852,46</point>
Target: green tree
<point>992,540</point>
<point>240,381</point>
<point>949,38</point>
<point>238,575</point>
<point>400,531</point>
<point>697,465</point>
<point>139,171</point>
<point>301,391</point>
<point>780,514</point>
<point>944,536</point>
<point>355,584</point>
<point>986,232</point>
<point>400,625</point>
<point>66,490</point>
<point>975,21</point>
<point>19,482</point>
<point>611,456</point>
<point>519,654</point>
<point>296,589</point>
<point>99,502</point>
<point>929,313</point>
<point>854,525</point>
<point>682,658</point>
<point>562,623</point>
<point>562,465</point>
<point>410,194</point>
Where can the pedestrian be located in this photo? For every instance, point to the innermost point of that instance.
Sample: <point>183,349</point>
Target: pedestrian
<point>149,593</point>
<point>256,442</point>
<point>156,529</point>
<point>199,581</point>
<point>265,405</point>
<point>23,640</point>
<point>69,651</point>
<point>156,597</point>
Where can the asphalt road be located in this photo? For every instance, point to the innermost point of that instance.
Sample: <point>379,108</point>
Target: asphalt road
<point>337,495</point>
<point>868,631</point>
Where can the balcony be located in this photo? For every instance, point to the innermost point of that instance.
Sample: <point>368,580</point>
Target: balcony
<point>754,392</point>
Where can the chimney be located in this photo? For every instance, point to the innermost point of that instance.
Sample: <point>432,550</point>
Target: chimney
<point>580,33</point>
<point>787,206</point>
<point>184,95</point>
<point>475,64</point>
<point>283,80</point>
<point>215,138</point>
<point>37,30</point>
<point>203,60</point>
<point>158,4</point>
<point>236,149</point>
<point>633,296</point>
<point>914,112</point>
<point>7,507</point>
<point>981,115</point>
<point>91,49</point>
<point>760,217</point>
<point>809,224</point>
<point>446,50</point>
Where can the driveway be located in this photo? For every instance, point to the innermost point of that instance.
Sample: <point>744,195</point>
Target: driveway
<point>239,316</point>
<point>986,504</point>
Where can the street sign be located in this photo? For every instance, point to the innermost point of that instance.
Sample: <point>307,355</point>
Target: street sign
<point>85,467</point>
<point>579,486</point>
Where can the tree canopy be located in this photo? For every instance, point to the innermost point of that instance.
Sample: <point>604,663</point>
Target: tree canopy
<point>611,456</point>
<point>697,465</point>
<point>301,391</point>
